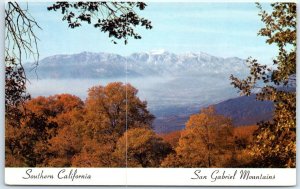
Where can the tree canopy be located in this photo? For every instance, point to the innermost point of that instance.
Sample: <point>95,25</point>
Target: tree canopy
<point>275,142</point>
<point>205,142</point>
<point>118,19</point>
<point>62,130</point>
<point>141,147</point>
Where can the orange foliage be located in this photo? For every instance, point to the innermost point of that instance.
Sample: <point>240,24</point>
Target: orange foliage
<point>96,153</point>
<point>243,139</point>
<point>63,131</point>
<point>244,131</point>
<point>205,142</point>
<point>109,110</point>
<point>142,147</point>
<point>172,138</point>
<point>54,105</point>
<point>114,106</point>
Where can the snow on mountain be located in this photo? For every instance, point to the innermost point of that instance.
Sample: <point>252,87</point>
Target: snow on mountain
<point>158,52</point>
<point>154,63</point>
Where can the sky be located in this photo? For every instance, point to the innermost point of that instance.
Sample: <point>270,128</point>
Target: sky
<point>219,29</point>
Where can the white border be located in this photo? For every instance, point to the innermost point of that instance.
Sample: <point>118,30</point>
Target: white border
<point>13,175</point>
<point>151,176</point>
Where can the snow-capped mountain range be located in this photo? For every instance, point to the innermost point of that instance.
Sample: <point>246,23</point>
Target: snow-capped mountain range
<point>154,63</point>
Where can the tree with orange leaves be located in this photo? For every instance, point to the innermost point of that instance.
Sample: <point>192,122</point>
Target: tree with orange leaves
<point>207,141</point>
<point>109,111</point>
<point>32,140</point>
<point>141,147</point>
<point>117,107</point>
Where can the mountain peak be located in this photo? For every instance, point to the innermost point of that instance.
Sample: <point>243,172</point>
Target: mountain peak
<point>158,52</point>
<point>198,54</point>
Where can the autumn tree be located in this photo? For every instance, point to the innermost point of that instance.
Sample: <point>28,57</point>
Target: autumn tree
<point>95,152</point>
<point>27,143</point>
<point>172,138</point>
<point>55,108</point>
<point>207,141</point>
<point>46,117</point>
<point>66,111</point>
<point>141,147</point>
<point>117,108</point>
<point>15,95</point>
<point>68,139</point>
<point>275,140</point>
<point>110,111</point>
<point>243,138</point>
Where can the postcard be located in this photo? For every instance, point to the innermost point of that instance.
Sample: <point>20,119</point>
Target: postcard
<point>150,93</point>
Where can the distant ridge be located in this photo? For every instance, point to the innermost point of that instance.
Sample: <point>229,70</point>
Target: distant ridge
<point>246,110</point>
<point>243,110</point>
<point>153,63</point>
